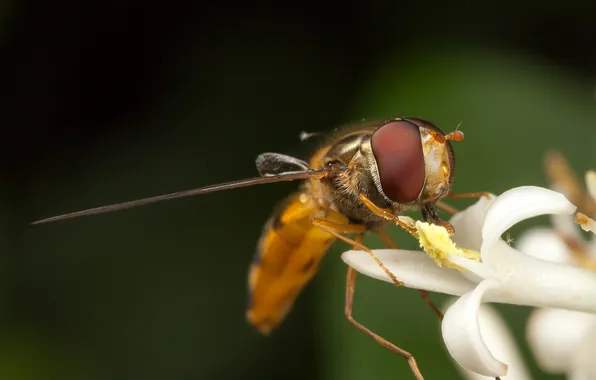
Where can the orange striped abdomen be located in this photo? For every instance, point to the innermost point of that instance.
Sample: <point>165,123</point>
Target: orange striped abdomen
<point>288,255</point>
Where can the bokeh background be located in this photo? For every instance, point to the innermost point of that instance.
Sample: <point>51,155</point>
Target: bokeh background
<point>107,101</point>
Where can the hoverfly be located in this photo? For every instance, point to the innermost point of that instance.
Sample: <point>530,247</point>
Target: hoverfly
<point>360,180</point>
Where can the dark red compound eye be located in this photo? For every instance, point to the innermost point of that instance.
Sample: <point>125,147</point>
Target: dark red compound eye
<point>397,147</point>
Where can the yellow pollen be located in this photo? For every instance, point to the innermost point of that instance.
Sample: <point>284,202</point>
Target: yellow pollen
<point>437,243</point>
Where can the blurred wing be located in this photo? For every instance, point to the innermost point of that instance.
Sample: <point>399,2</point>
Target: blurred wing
<point>292,176</point>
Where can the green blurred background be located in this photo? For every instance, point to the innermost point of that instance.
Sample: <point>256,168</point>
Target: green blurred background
<point>116,100</point>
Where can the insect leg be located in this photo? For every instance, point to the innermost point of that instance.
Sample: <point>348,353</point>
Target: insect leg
<point>386,239</point>
<point>447,208</point>
<point>337,230</point>
<point>479,194</point>
<point>383,213</point>
<point>350,287</point>
<point>429,214</point>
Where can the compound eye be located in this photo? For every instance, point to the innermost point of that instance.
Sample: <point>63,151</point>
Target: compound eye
<point>397,147</point>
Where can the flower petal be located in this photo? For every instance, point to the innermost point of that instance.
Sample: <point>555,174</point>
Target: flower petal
<point>500,341</point>
<point>414,268</point>
<point>516,205</point>
<point>545,244</point>
<point>462,335</point>
<point>554,335</point>
<point>475,271</point>
<point>534,282</point>
<point>468,224</point>
<point>583,366</point>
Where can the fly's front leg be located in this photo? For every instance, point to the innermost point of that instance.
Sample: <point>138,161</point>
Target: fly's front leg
<point>385,214</point>
<point>429,214</point>
<point>390,243</point>
<point>339,229</point>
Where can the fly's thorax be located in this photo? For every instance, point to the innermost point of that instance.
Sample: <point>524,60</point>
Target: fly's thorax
<point>354,153</point>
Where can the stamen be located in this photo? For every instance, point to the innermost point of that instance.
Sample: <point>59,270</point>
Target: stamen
<point>585,222</point>
<point>437,243</point>
<point>591,183</point>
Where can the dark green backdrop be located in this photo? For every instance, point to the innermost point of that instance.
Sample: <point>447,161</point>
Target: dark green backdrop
<point>114,102</point>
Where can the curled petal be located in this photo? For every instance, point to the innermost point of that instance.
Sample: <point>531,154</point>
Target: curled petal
<point>501,342</point>
<point>555,335</point>
<point>519,204</point>
<point>414,268</point>
<point>468,224</point>
<point>545,244</point>
<point>462,335</point>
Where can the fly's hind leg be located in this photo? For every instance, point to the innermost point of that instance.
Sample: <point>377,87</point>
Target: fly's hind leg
<point>350,288</point>
<point>391,244</point>
<point>358,230</point>
<point>386,239</point>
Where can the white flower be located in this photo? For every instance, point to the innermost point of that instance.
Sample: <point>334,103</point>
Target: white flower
<point>496,273</point>
<point>501,343</point>
<point>563,341</point>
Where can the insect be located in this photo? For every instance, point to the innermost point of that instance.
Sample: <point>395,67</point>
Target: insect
<point>360,180</point>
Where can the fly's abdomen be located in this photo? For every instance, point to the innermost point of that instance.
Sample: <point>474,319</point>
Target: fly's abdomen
<point>288,256</point>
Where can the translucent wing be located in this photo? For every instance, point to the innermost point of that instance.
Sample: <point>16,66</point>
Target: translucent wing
<point>291,176</point>
<point>276,163</point>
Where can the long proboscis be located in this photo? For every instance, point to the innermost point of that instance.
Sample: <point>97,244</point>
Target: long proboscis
<point>187,193</point>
